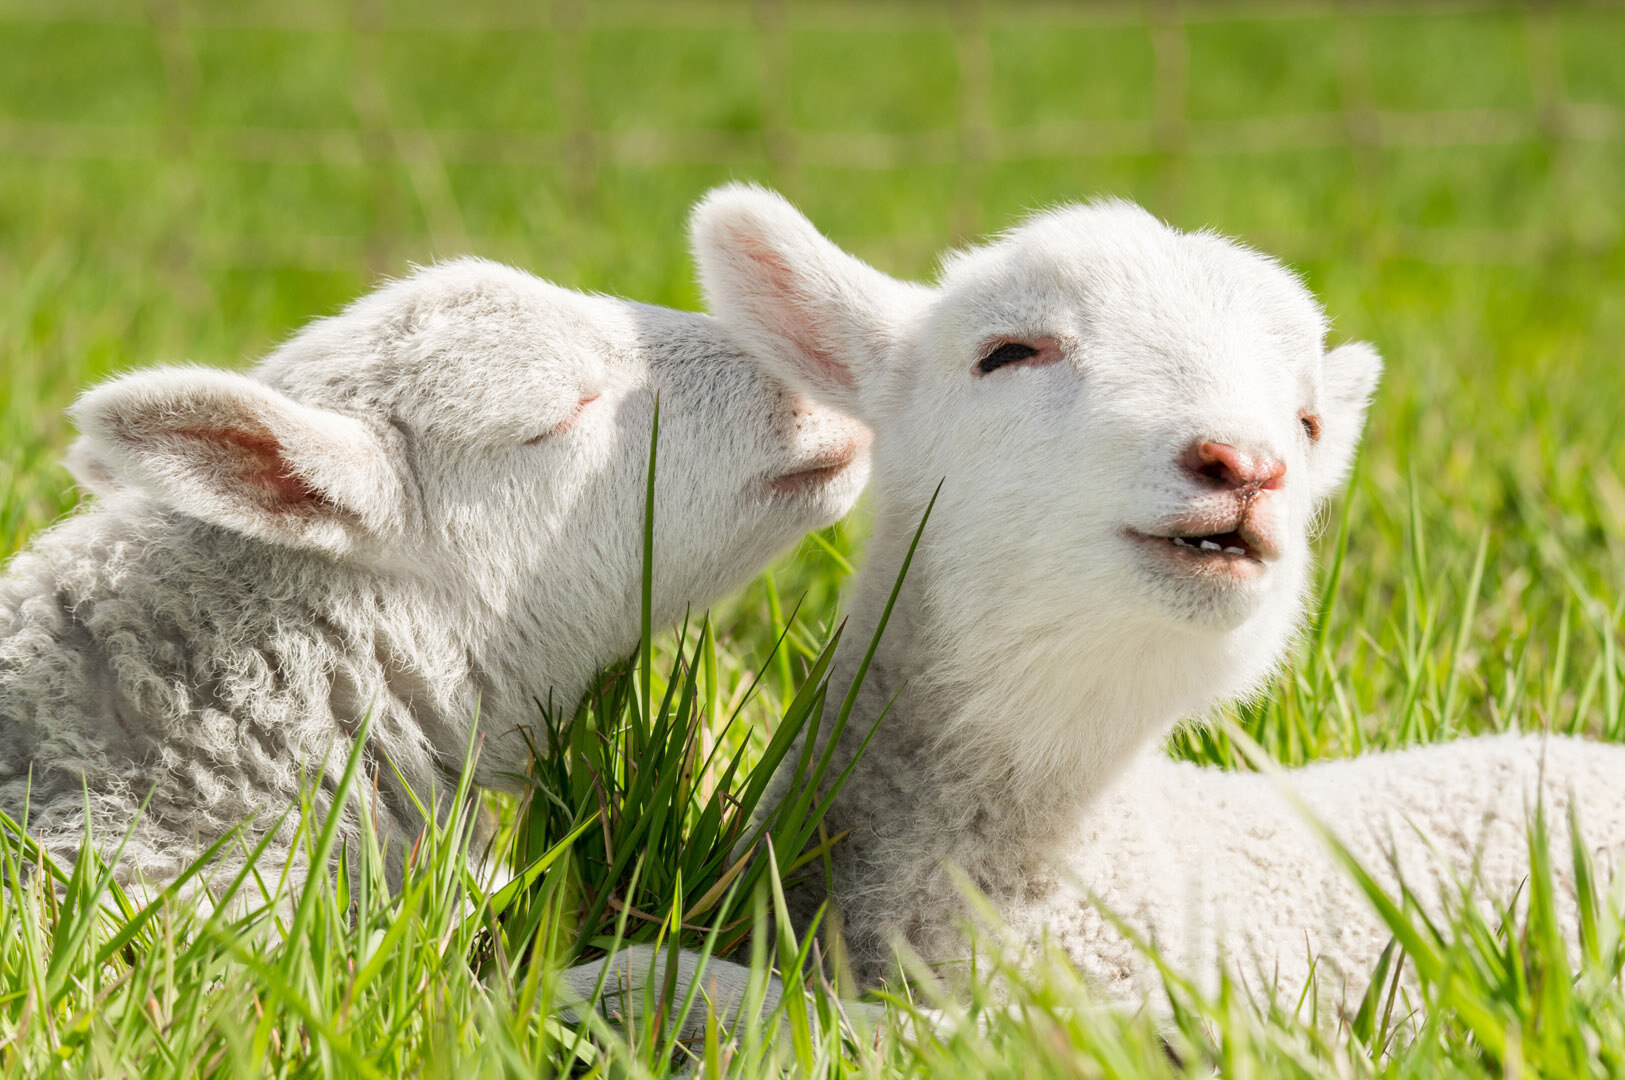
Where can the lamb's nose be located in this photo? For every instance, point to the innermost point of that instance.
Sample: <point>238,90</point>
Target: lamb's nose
<point>1234,468</point>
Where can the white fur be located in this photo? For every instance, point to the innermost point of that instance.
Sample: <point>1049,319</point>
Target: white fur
<point>428,508</point>
<point>1038,654</point>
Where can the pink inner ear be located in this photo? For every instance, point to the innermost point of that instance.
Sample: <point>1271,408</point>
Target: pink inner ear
<point>260,463</point>
<point>791,314</point>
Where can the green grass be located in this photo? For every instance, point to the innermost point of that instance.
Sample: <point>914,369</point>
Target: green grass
<point>191,181</point>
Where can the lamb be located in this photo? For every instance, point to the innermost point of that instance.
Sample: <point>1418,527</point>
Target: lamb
<point>426,509</point>
<point>1133,428</point>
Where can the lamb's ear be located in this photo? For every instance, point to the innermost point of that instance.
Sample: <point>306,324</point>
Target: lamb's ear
<point>90,472</point>
<point>819,318</point>
<point>1349,375</point>
<point>228,449</point>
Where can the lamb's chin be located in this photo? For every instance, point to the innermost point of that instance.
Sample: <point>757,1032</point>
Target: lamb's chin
<point>1212,603</point>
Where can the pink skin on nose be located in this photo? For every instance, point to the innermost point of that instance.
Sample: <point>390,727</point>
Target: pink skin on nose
<point>1234,468</point>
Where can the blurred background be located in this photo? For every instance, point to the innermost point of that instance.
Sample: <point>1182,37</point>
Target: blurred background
<point>190,180</point>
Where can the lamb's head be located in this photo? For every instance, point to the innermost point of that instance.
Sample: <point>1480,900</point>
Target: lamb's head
<point>1133,425</point>
<point>484,432</point>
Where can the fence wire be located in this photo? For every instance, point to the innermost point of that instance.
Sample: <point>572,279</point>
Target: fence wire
<point>778,145</point>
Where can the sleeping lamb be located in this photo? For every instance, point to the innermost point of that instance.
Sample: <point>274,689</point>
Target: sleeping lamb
<point>1133,428</point>
<point>427,508</point>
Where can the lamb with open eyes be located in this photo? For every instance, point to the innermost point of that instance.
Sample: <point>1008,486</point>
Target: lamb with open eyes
<point>429,507</point>
<point>1132,427</point>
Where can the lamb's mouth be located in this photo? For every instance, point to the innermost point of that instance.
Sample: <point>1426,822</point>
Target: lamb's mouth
<point>1240,548</point>
<point>1229,544</point>
<point>819,473</point>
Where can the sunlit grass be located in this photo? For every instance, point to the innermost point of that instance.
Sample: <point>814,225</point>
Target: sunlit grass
<point>1469,578</point>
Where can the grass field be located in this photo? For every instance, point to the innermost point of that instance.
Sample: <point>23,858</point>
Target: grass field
<point>184,180</point>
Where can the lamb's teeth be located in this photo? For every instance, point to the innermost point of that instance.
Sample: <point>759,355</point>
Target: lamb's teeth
<point>1180,540</point>
<point>1208,545</point>
<point>1235,551</point>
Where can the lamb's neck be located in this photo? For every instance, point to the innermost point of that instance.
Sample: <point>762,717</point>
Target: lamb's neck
<point>1039,719</point>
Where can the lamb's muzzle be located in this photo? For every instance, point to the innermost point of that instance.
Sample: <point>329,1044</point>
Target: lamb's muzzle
<point>824,468</point>
<point>829,453</point>
<point>1232,530</point>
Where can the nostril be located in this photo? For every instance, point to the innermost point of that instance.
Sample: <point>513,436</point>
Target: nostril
<point>1219,473</point>
<point>1229,466</point>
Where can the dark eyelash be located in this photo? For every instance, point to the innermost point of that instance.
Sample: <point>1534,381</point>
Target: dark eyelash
<point>1311,425</point>
<point>1010,352</point>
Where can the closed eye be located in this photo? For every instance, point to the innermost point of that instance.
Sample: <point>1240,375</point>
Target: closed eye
<point>1006,353</point>
<point>569,422</point>
<point>1311,425</point>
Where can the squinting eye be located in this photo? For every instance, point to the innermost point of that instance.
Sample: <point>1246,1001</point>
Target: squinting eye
<point>1010,352</point>
<point>1311,425</point>
<point>569,422</point>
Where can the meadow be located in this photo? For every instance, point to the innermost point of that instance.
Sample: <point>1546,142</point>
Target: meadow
<point>189,181</point>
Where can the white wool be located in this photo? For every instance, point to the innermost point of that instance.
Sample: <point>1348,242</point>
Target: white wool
<point>428,508</point>
<point>1214,866</point>
<point>1038,654</point>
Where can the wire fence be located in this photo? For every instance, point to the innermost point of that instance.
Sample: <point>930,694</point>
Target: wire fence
<point>780,146</point>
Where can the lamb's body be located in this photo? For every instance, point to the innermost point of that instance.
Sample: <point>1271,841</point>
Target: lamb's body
<point>137,670</point>
<point>1211,866</point>
<point>1201,860</point>
<point>426,510</point>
